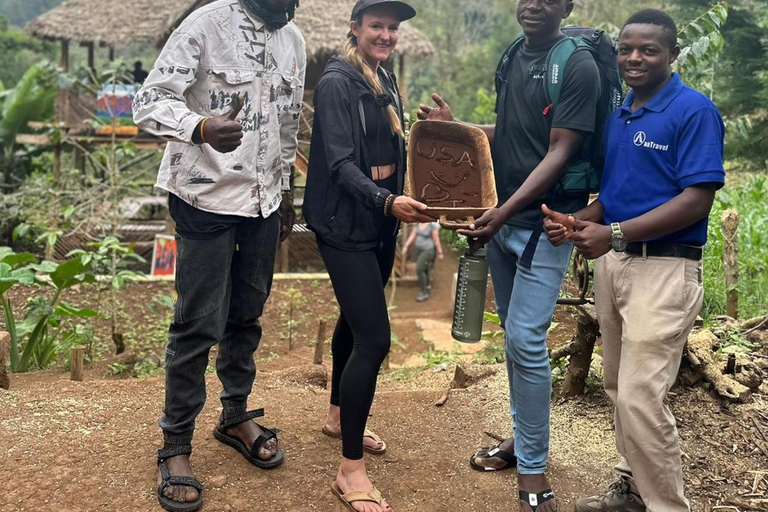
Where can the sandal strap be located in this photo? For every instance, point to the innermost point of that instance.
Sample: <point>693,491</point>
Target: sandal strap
<point>370,433</point>
<point>168,480</point>
<point>373,496</point>
<point>504,455</point>
<point>266,435</point>
<point>534,500</point>
<point>186,481</point>
<point>226,423</point>
<point>174,451</point>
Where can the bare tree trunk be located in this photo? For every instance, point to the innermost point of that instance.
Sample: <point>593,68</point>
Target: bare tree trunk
<point>581,354</point>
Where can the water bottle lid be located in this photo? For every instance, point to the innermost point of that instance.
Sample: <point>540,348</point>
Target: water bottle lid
<point>478,254</point>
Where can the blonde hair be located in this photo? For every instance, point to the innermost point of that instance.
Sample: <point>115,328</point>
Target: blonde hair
<point>352,54</point>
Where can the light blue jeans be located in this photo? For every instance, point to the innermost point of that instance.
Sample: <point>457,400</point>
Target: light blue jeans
<point>525,302</point>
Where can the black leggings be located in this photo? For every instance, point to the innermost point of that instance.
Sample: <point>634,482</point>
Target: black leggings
<point>361,339</point>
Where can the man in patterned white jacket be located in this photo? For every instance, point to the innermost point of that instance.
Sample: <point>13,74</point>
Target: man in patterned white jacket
<point>227,92</point>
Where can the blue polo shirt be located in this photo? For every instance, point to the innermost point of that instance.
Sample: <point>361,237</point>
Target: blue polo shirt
<point>673,142</point>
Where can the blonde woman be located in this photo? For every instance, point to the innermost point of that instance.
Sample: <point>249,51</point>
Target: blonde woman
<point>354,205</point>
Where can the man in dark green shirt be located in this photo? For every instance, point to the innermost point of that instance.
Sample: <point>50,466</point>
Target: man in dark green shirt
<point>533,144</point>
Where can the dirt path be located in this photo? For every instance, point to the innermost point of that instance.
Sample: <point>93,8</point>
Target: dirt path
<point>90,446</point>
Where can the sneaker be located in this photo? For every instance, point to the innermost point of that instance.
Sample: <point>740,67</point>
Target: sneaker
<point>622,496</point>
<point>422,297</point>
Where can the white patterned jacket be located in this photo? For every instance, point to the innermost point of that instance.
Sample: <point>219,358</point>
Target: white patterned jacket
<point>220,51</point>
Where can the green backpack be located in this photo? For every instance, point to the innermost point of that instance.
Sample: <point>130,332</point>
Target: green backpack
<point>582,177</point>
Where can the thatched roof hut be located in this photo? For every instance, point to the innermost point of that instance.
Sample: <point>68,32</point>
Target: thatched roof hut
<point>324,24</point>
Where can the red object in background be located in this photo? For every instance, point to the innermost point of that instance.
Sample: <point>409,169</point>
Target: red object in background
<point>164,256</point>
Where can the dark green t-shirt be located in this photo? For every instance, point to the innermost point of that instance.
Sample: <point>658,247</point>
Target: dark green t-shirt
<point>522,127</point>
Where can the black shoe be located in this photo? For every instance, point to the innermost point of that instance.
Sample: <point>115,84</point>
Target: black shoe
<point>621,496</point>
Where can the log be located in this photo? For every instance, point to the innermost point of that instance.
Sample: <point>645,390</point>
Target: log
<point>5,347</point>
<point>320,343</point>
<point>700,355</point>
<point>755,323</point>
<point>581,358</point>
<point>78,362</point>
<point>730,224</point>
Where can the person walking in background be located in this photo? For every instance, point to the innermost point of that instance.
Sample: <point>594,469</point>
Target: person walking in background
<point>227,91</point>
<point>353,203</point>
<point>664,162</point>
<point>426,238</point>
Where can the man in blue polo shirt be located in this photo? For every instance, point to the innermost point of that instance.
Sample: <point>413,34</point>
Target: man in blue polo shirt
<point>664,162</point>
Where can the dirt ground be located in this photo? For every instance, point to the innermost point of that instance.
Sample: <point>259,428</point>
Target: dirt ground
<point>88,446</point>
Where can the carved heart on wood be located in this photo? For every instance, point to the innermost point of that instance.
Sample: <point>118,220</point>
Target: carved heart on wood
<point>433,193</point>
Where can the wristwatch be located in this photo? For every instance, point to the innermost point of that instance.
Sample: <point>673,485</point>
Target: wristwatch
<point>619,242</point>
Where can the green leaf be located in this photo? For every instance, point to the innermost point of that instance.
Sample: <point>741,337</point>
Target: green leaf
<point>15,260</point>
<point>35,337</point>
<point>70,273</point>
<point>10,324</point>
<point>46,267</point>
<point>65,309</point>
<point>67,213</point>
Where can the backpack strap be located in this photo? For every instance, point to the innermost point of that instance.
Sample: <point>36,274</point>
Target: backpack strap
<point>503,68</point>
<point>557,60</point>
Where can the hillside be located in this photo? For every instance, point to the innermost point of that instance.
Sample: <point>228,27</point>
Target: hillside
<point>19,12</point>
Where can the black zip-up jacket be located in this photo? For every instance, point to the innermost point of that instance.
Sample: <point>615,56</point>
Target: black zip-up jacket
<point>342,204</point>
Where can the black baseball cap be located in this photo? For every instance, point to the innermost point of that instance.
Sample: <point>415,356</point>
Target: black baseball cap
<point>403,10</point>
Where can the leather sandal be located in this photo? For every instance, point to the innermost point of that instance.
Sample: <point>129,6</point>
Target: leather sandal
<point>252,454</point>
<point>168,481</point>
<point>347,499</point>
<point>495,451</point>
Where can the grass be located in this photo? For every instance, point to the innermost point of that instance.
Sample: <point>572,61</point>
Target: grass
<point>750,199</point>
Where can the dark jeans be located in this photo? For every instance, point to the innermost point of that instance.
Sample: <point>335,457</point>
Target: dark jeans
<point>361,339</point>
<point>222,285</point>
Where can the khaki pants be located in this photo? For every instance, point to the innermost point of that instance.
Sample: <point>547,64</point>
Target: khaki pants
<point>646,308</point>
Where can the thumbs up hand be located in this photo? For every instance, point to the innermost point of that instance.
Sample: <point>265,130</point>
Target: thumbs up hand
<point>558,226</point>
<point>222,132</point>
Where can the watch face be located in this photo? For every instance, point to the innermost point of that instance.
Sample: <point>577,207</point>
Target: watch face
<point>619,243</point>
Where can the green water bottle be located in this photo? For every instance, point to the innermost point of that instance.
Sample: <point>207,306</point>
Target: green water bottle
<point>469,307</point>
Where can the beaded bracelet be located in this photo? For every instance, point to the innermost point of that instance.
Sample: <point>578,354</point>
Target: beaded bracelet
<point>388,204</point>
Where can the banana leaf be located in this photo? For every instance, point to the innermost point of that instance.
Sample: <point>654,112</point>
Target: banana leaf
<point>32,99</point>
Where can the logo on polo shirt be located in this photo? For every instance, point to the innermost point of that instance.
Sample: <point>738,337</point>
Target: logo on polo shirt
<point>641,140</point>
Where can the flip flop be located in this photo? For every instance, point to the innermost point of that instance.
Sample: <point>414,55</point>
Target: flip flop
<point>347,499</point>
<point>168,480</point>
<point>366,433</point>
<point>535,500</point>
<point>497,452</point>
<point>252,454</point>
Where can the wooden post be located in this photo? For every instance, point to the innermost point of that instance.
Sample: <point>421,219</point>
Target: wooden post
<point>5,346</point>
<point>730,224</point>
<point>91,57</point>
<point>320,344</point>
<point>78,358</point>
<point>285,258</point>
<point>65,54</point>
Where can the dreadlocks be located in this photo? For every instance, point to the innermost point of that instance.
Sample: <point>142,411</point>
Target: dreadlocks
<point>273,20</point>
